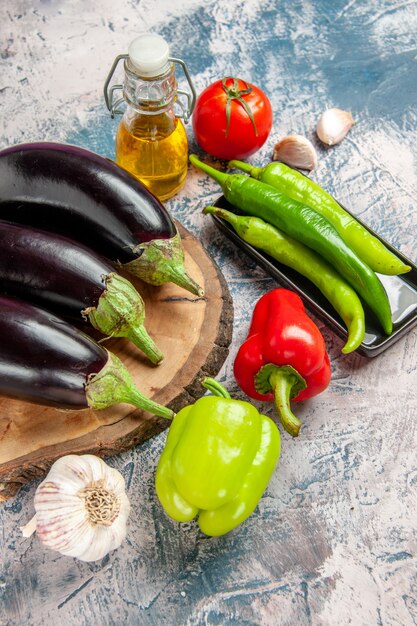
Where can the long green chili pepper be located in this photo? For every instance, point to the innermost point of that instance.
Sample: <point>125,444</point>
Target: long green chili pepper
<point>294,254</point>
<point>306,225</point>
<point>297,186</point>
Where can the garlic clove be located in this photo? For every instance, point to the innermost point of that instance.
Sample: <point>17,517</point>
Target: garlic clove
<point>70,472</point>
<point>296,151</point>
<point>104,541</point>
<point>333,126</point>
<point>89,544</point>
<point>71,538</point>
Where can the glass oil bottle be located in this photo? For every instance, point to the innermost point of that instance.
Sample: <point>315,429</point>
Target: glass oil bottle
<point>151,141</point>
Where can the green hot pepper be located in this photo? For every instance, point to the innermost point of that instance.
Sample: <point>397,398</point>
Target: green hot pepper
<point>297,186</point>
<point>308,226</point>
<point>218,458</point>
<point>296,255</point>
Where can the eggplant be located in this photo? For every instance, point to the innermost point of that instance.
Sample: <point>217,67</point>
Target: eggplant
<point>73,281</point>
<point>46,360</point>
<point>86,197</point>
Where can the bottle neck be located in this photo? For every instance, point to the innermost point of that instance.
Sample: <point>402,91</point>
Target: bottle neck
<point>150,94</point>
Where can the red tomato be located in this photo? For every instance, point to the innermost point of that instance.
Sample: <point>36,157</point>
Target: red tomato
<point>232,119</point>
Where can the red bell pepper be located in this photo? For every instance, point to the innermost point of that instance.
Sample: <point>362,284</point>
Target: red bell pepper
<point>284,356</point>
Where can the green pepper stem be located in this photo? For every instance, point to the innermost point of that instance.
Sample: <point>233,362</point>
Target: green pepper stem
<point>253,171</point>
<point>228,216</point>
<point>220,177</point>
<point>114,384</point>
<point>216,388</point>
<point>241,223</point>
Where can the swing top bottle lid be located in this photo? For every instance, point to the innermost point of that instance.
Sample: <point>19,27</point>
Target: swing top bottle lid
<point>148,54</point>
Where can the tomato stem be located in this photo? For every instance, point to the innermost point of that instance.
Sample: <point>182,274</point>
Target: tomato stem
<point>234,93</point>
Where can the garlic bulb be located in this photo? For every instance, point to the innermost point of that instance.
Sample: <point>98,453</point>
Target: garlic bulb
<point>81,508</point>
<point>333,126</point>
<point>296,151</point>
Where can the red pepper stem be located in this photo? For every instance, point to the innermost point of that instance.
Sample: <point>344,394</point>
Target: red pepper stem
<point>285,383</point>
<point>282,384</point>
<point>215,387</point>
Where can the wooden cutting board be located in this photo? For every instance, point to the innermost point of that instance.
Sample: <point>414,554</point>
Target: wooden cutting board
<point>193,333</point>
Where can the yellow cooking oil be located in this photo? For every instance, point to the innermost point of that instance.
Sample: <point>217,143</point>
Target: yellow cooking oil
<point>154,148</point>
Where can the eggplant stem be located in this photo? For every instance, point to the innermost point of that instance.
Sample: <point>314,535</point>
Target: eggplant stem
<point>139,336</point>
<point>114,384</point>
<point>161,261</point>
<point>120,312</point>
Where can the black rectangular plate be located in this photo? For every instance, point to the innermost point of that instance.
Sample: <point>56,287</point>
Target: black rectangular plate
<point>401,290</point>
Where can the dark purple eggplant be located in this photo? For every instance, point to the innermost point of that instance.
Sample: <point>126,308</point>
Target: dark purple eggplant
<point>86,197</point>
<point>46,360</point>
<point>73,281</point>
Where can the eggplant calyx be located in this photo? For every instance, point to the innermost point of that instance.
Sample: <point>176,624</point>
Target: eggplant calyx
<point>120,312</point>
<point>114,384</point>
<point>162,261</point>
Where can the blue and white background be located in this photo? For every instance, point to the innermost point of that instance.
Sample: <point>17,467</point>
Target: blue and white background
<point>333,541</point>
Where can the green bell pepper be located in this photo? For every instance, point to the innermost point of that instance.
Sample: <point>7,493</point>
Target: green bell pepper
<point>218,458</point>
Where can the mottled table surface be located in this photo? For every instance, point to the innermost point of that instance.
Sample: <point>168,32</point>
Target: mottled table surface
<point>333,540</point>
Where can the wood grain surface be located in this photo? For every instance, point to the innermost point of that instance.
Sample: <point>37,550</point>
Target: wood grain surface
<point>193,333</point>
